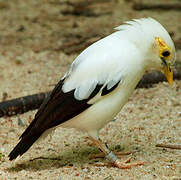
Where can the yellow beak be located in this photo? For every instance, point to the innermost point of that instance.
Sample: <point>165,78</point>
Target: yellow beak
<point>168,71</point>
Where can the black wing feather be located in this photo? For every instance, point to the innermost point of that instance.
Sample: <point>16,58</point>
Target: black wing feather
<point>57,108</point>
<point>106,91</point>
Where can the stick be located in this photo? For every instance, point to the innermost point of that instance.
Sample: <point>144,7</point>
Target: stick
<point>47,158</point>
<point>85,8</point>
<point>22,104</point>
<point>142,6</point>
<point>32,102</point>
<point>171,146</point>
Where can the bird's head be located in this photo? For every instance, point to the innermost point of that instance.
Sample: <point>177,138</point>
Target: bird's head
<point>154,43</point>
<point>160,52</point>
<point>163,57</point>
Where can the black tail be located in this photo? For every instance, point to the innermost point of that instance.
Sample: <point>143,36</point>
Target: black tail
<point>24,144</point>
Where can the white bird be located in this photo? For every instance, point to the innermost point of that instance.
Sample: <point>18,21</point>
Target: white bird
<point>99,82</point>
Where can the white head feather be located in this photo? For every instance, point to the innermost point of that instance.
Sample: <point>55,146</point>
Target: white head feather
<point>143,32</point>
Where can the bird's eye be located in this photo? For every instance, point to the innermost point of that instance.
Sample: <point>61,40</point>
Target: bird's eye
<point>165,53</point>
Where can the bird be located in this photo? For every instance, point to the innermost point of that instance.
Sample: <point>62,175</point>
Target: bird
<point>99,82</point>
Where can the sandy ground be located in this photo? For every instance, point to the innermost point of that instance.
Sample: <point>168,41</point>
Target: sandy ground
<point>151,116</point>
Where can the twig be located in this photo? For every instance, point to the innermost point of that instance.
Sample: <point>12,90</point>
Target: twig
<point>48,158</point>
<point>32,102</point>
<point>143,6</point>
<point>88,12</point>
<point>85,8</point>
<point>171,146</point>
<point>79,4</point>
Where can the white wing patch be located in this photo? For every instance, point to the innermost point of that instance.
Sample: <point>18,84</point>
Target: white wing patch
<point>85,88</point>
<point>114,81</point>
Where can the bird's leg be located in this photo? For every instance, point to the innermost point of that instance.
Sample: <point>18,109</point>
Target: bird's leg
<point>113,158</point>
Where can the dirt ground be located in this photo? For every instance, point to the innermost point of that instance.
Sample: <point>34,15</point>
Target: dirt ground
<point>35,40</point>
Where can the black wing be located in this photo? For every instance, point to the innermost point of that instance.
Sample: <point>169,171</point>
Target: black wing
<point>57,108</point>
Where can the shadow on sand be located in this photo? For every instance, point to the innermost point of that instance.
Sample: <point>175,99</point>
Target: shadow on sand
<point>66,158</point>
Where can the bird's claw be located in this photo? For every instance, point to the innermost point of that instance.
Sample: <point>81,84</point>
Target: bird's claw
<point>126,164</point>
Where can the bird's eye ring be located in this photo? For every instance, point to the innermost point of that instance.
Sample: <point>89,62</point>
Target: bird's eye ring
<point>165,53</point>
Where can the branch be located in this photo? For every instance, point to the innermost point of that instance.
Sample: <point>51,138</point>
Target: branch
<point>171,146</point>
<point>22,104</point>
<point>32,102</point>
<point>143,6</point>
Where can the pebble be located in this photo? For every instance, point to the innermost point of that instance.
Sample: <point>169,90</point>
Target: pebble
<point>85,170</point>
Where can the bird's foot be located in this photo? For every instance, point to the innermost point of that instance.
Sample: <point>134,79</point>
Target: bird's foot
<point>122,165</point>
<point>118,154</point>
<point>126,164</point>
<point>109,155</point>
